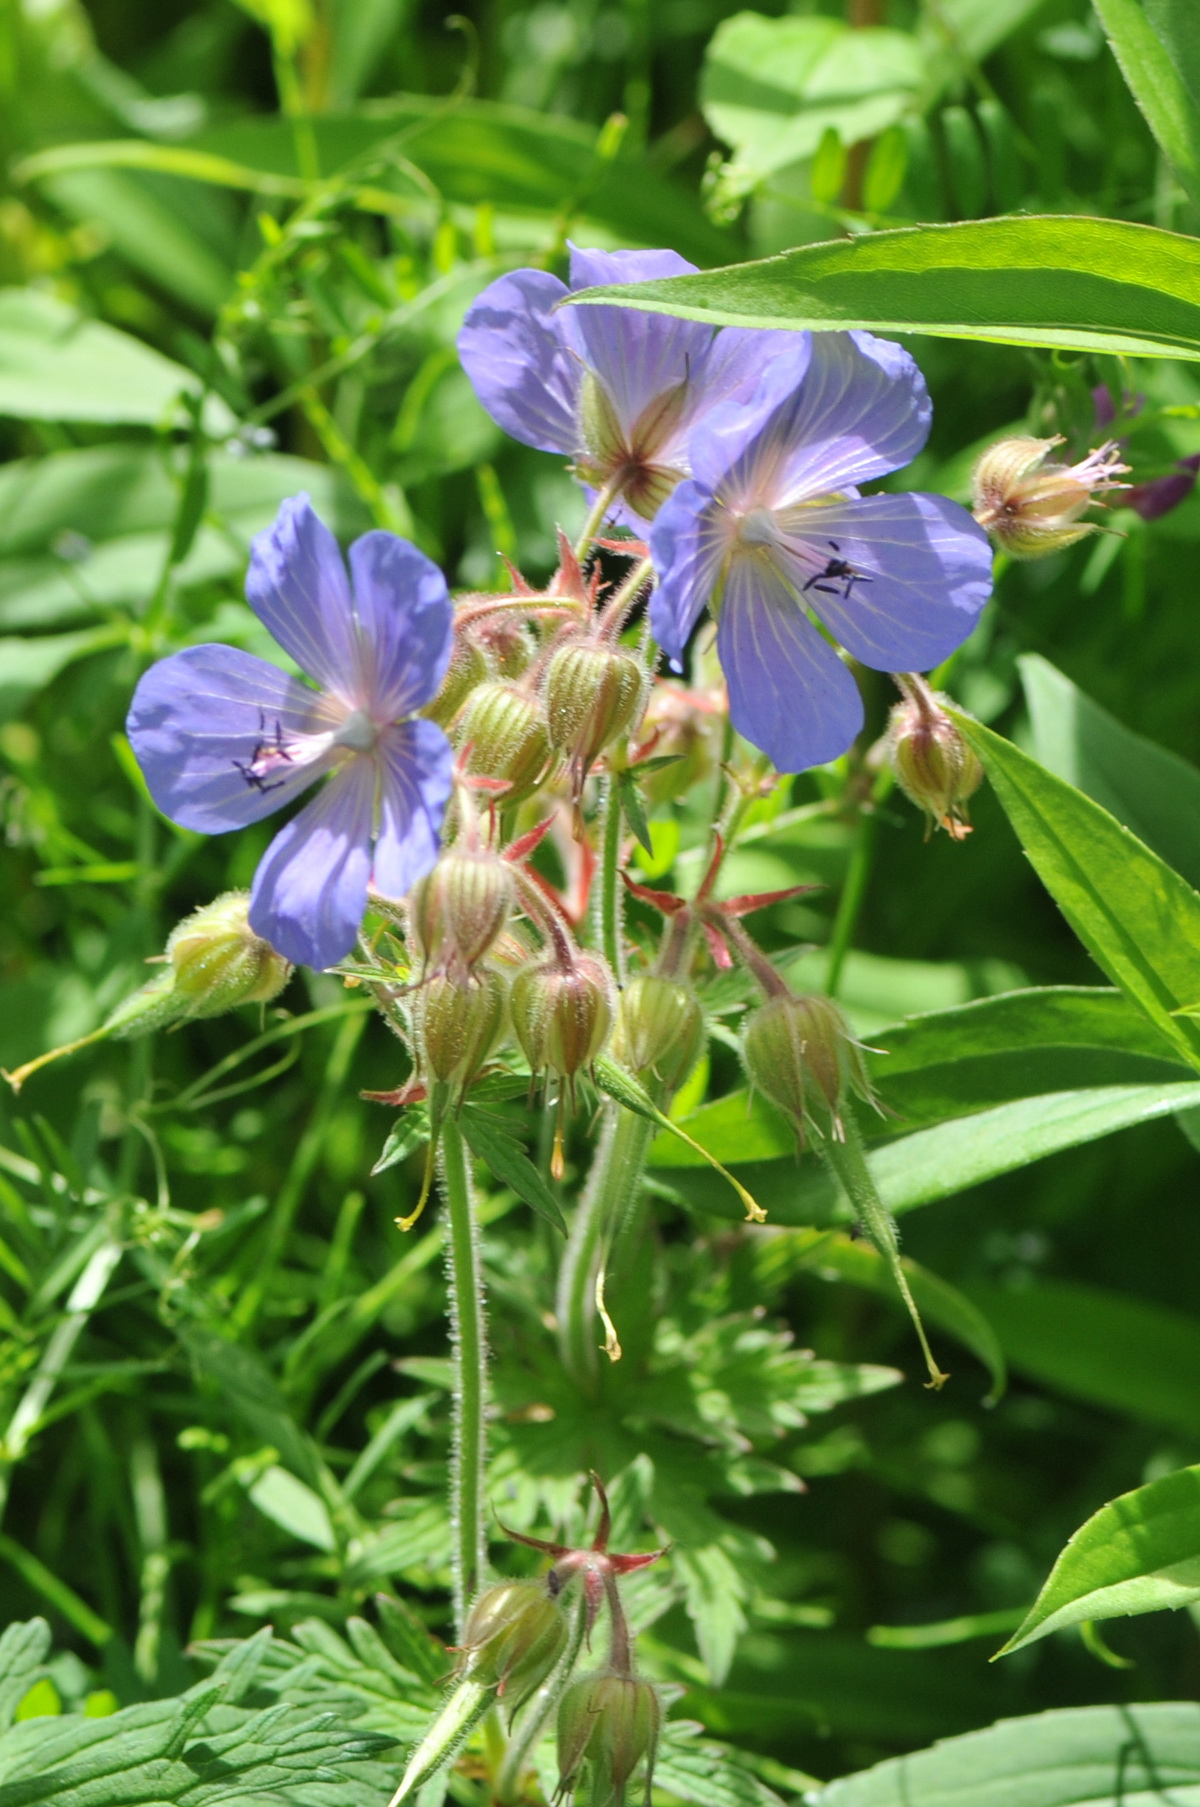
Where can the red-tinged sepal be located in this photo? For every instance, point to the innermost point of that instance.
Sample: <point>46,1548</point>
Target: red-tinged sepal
<point>666,902</point>
<point>762,900</point>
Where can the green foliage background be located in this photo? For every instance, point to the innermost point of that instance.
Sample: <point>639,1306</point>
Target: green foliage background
<point>848,1552</point>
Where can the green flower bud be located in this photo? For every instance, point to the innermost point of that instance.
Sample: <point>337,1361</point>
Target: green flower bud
<point>508,736</point>
<point>594,695</point>
<point>458,1023</point>
<point>514,1635</point>
<point>610,1722</point>
<point>218,961</point>
<point>468,668</point>
<point>562,1013</point>
<point>509,644</point>
<point>933,764</point>
<point>660,1029</point>
<point>800,1052</point>
<point>1031,506</point>
<point>460,908</point>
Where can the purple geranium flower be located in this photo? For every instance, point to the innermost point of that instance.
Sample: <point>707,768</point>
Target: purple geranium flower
<point>772,524</point>
<point>225,739</point>
<point>616,390</point>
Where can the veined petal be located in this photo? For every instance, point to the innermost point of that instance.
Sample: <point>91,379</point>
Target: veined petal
<point>722,444</point>
<point>513,347</point>
<point>196,724</point>
<point>297,586</point>
<point>860,409</point>
<point>406,624</point>
<point>417,774</point>
<point>310,891</point>
<point>789,693</point>
<point>688,549</point>
<point>926,572</point>
<point>638,357</point>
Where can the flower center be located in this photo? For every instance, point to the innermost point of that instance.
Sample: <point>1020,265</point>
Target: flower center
<point>758,527</point>
<point>357,733</point>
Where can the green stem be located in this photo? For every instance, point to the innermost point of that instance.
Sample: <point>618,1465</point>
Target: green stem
<point>595,520</point>
<point>610,880</point>
<point>468,1334</point>
<point>449,1731</point>
<point>855,888</point>
<point>538,1710</point>
<point>847,1160</point>
<point>603,1212</point>
<point>295,107</point>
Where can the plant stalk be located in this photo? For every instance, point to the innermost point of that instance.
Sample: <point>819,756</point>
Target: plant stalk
<point>468,1335</point>
<point>602,1214</point>
<point>847,1160</point>
<point>610,879</point>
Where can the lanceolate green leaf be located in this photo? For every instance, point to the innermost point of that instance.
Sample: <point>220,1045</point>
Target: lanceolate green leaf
<point>1076,1757</point>
<point>1149,789</point>
<point>936,1163</point>
<point>1125,1355</point>
<point>1137,918</point>
<point>1080,284</point>
<point>1147,41</point>
<point>1138,1554</point>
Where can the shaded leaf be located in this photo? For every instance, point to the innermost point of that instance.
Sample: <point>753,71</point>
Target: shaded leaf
<point>1137,918</point>
<point>1126,1355</point>
<point>1075,1757</point>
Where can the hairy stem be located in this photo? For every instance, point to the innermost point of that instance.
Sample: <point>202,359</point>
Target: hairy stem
<point>595,520</point>
<point>610,879</point>
<point>468,1335</point>
<point>848,1161</point>
<point>602,1213</point>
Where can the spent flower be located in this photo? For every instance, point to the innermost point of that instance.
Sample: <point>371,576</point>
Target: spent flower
<point>772,524</point>
<point>225,739</point>
<point>1031,503</point>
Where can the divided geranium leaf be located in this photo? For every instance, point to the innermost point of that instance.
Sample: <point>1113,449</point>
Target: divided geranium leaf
<point>489,1138</point>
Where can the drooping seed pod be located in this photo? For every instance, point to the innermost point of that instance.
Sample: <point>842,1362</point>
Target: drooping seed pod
<point>506,730</point>
<point>219,962</point>
<point>660,1029</point>
<point>1032,505</point>
<point>460,908</point>
<point>799,1051</point>
<point>458,1023</point>
<point>514,1635</point>
<point>934,765</point>
<point>609,1722</point>
<point>469,667</point>
<point>562,1012</point>
<point>594,695</point>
